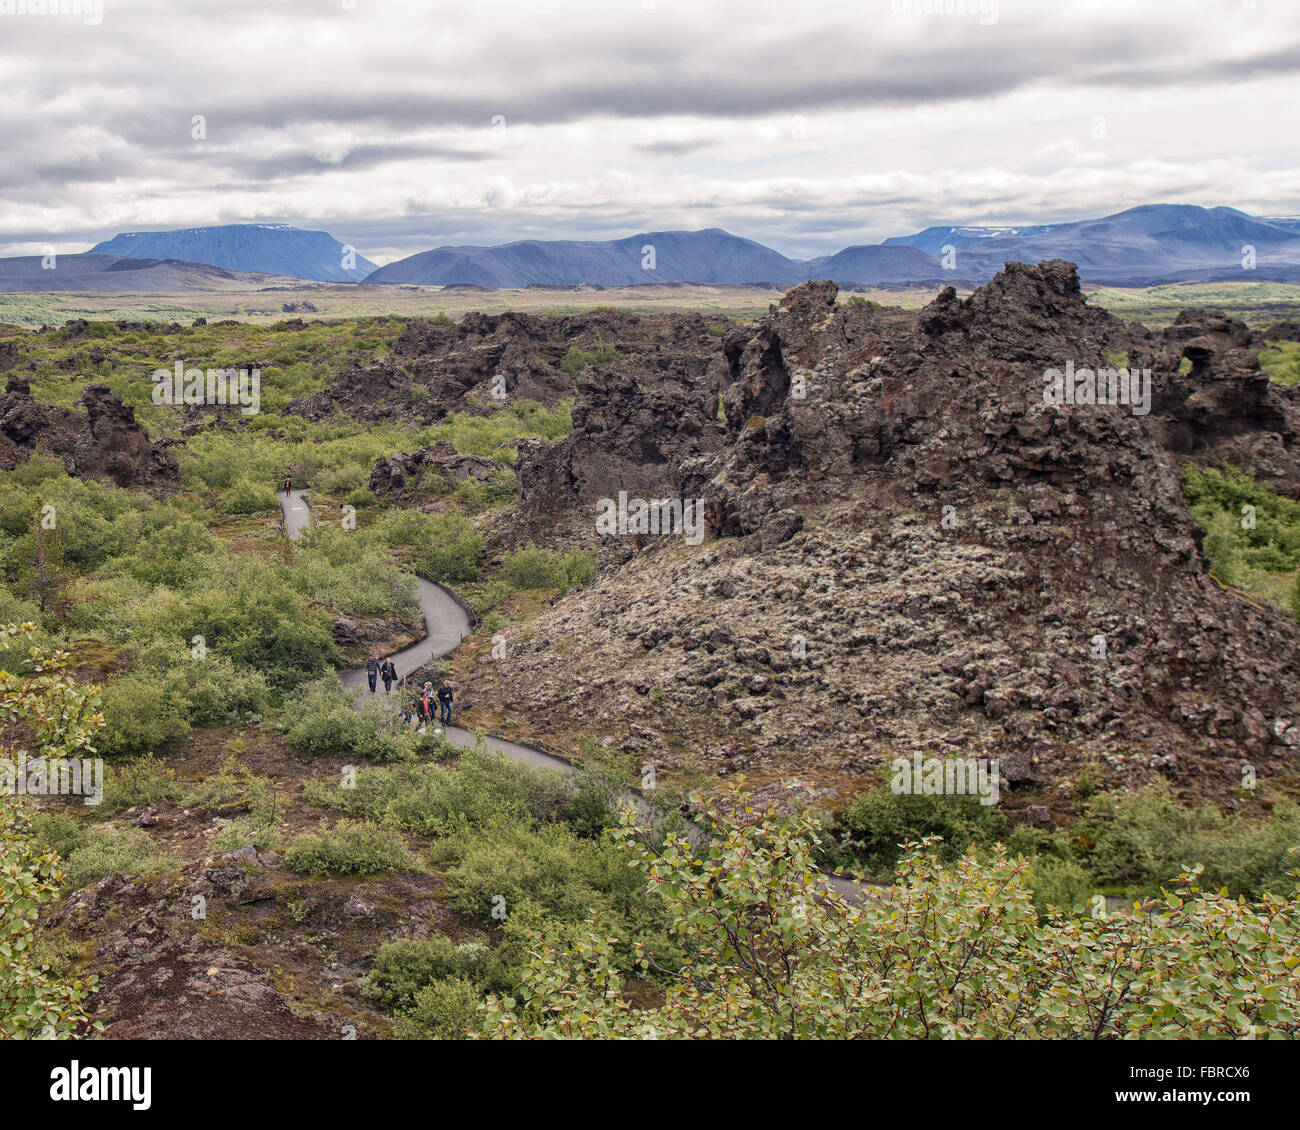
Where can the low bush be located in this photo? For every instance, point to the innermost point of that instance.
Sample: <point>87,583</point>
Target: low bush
<point>442,1010</point>
<point>323,718</point>
<point>108,850</point>
<point>140,716</point>
<point>404,967</point>
<point>534,568</point>
<point>350,847</point>
<point>430,800</point>
<point>247,497</point>
<point>877,822</point>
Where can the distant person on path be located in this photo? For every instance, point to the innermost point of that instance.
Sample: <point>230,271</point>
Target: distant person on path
<point>372,671</point>
<point>388,672</point>
<point>288,484</point>
<point>444,701</point>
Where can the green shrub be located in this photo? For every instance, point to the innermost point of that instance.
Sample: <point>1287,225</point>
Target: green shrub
<point>577,359</point>
<point>141,781</point>
<point>449,550</point>
<point>548,879</point>
<point>247,497</point>
<point>531,567</point>
<point>57,831</point>
<point>350,847</point>
<point>480,789</point>
<point>1147,838</point>
<point>140,717</point>
<point>442,1010</point>
<point>956,951</point>
<point>404,967</point>
<point>1058,884</point>
<point>1252,533</point>
<point>879,820</point>
<point>324,718</point>
<point>108,850</point>
<point>216,691</point>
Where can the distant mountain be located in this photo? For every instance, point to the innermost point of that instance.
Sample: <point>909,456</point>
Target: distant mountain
<point>710,256</point>
<point>275,249</point>
<point>875,265</point>
<point>1292,223</point>
<point>113,274</point>
<point>1144,246</point>
<point>934,240</point>
<point>1147,245</point>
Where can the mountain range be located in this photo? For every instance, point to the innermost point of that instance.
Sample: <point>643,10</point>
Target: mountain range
<point>275,249</point>
<point>1143,246</point>
<point>113,274</point>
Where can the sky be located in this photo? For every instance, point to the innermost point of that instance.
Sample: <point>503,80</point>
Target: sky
<point>399,126</point>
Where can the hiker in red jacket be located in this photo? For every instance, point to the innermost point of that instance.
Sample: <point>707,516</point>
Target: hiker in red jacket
<point>426,707</point>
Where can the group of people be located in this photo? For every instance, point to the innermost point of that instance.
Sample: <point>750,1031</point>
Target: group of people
<point>425,706</point>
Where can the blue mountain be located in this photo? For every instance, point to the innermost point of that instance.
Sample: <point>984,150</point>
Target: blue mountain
<point>275,249</point>
<point>1147,245</point>
<point>875,264</point>
<point>934,240</point>
<point>709,256</point>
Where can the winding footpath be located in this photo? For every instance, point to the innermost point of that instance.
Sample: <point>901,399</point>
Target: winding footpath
<point>447,623</point>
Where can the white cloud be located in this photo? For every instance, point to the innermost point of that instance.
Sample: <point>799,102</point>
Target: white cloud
<point>807,127</point>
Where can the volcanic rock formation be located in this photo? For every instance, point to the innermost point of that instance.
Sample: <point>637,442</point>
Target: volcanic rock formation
<point>103,442</point>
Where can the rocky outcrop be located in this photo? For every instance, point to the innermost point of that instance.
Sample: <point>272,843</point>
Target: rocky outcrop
<point>918,551</point>
<point>103,442</point>
<point>401,473</point>
<point>486,361</point>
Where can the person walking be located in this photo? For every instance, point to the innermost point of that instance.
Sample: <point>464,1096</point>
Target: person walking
<point>388,672</point>
<point>372,671</point>
<point>444,701</point>
<point>425,707</point>
<point>288,484</point>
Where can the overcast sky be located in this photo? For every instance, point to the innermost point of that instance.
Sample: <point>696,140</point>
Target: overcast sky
<point>399,126</point>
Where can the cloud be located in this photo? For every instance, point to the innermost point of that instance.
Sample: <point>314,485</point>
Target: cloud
<point>799,126</point>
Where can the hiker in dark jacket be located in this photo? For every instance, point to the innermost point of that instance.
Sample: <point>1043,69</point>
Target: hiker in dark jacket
<point>444,701</point>
<point>372,671</point>
<point>288,484</point>
<point>388,672</point>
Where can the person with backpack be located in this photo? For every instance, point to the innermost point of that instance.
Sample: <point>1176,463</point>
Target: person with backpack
<point>444,701</point>
<point>388,672</point>
<point>425,708</point>
<point>372,671</point>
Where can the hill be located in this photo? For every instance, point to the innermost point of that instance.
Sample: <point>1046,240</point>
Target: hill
<point>275,249</point>
<point>709,256</point>
<point>114,274</point>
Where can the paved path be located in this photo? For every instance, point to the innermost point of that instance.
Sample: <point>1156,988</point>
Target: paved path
<point>447,623</point>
